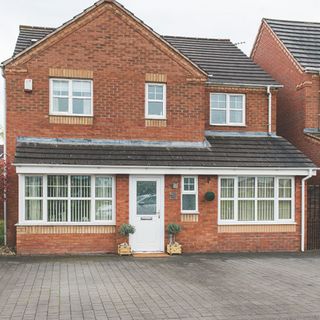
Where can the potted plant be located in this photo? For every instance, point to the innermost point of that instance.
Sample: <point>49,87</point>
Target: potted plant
<point>173,247</point>
<point>125,230</point>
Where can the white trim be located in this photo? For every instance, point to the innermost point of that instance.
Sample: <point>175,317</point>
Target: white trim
<point>241,85</point>
<point>70,98</point>
<point>228,110</point>
<point>159,170</point>
<point>194,192</point>
<point>164,101</point>
<point>303,181</point>
<point>276,200</point>
<point>45,199</point>
<point>62,224</point>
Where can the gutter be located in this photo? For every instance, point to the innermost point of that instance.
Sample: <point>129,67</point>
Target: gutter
<point>269,110</point>
<point>303,219</point>
<point>234,84</point>
<point>4,158</point>
<point>312,70</point>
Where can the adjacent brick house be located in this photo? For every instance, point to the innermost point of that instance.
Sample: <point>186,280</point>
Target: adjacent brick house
<point>289,51</point>
<point>109,123</point>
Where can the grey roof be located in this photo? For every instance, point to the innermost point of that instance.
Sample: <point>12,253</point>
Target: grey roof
<point>239,152</point>
<point>222,60</point>
<point>302,39</point>
<point>30,35</point>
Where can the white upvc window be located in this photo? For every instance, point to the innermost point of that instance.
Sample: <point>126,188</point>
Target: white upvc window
<point>71,97</point>
<point>256,200</point>
<point>67,199</point>
<point>33,198</point>
<point>189,194</point>
<point>155,101</point>
<point>227,109</point>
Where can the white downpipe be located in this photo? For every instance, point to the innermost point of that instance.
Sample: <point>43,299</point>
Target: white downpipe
<point>303,193</point>
<point>269,110</point>
<point>5,160</point>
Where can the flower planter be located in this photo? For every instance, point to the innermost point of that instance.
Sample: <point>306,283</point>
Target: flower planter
<point>124,250</point>
<point>174,248</point>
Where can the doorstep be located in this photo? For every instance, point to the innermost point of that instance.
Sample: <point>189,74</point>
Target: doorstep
<point>150,255</point>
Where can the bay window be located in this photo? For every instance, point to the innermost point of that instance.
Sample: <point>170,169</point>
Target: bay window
<point>68,199</point>
<point>256,200</point>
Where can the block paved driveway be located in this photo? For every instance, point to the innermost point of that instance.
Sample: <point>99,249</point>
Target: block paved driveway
<point>252,286</point>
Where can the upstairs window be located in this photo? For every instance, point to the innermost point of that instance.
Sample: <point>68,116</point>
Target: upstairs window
<point>227,109</point>
<point>155,107</point>
<point>71,97</point>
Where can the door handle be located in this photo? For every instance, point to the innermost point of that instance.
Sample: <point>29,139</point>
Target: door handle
<point>158,213</point>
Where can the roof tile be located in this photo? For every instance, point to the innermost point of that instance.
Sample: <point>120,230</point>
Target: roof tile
<point>302,39</point>
<point>241,152</point>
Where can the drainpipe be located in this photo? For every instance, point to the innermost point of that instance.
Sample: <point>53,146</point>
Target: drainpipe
<point>4,159</point>
<point>303,193</point>
<point>269,110</point>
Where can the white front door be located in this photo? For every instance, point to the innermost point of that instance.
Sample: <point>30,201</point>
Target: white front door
<point>147,213</point>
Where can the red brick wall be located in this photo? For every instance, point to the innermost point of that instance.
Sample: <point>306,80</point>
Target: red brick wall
<point>256,109</point>
<point>201,236</point>
<point>32,244</point>
<point>198,236</point>
<point>298,101</point>
<point>120,55</point>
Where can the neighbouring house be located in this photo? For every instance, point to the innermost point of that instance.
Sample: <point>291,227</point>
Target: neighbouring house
<point>289,51</point>
<point>109,122</point>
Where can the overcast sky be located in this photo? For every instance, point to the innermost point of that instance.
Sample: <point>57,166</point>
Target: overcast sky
<point>237,20</point>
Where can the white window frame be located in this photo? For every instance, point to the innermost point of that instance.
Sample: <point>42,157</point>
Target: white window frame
<point>164,101</point>
<point>94,198</point>
<point>276,199</point>
<point>70,98</point>
<point>228,109</point>
<point>23,197</point>
<point>93,221</point>
<point>194,192</point>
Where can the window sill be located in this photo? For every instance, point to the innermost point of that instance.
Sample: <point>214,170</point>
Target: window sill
<point>190,212</point>
<point>70,119</point>
<point>228,125</point>
<point>262,223</point>
<point>155,118</point>
<point>64,224</point>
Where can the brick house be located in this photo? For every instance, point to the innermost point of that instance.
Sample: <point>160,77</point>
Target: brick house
<point>109,123</point>
<point>289,51</point>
